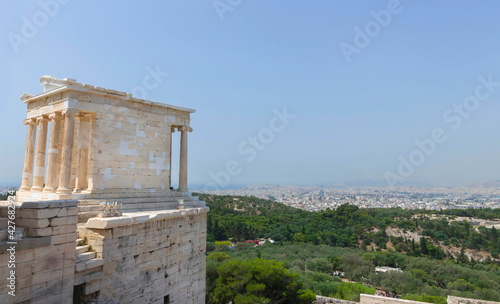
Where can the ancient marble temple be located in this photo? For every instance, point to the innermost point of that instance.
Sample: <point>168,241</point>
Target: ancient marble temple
<point>97,218</point>
<point>100,142</point>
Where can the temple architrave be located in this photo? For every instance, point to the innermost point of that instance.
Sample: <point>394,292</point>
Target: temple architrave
<point>97,217</point>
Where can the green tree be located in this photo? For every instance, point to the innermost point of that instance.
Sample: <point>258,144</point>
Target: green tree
<point>423,246</point>
<point>462,258</point>
<point>336,262</point>
<point>211,279</point>
<point>259,281</point>
<point>299,237</point>
<point>460,285</point>
<point>355,268</point>
<point>218,256</point>
<point>352,291</point>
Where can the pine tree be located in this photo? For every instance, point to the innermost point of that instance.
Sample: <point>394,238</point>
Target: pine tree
<point>494,233</point>
<point>462,258</point>
<point>423,246</point>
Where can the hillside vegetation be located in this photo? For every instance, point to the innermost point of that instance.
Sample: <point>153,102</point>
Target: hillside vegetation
<point>246,218</point>
<point>316,245</point>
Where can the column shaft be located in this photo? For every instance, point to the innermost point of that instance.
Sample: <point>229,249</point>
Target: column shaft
<point>52,159</point>
<point>29,153</point>
<point>90,167</point>
<point>172,130</point>
<point>183,159</point>
<point>41,145</point>
<point>83,153</point>
<point>69,129</point>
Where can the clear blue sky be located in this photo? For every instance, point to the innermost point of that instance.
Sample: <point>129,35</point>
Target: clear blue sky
<point>236,65</point>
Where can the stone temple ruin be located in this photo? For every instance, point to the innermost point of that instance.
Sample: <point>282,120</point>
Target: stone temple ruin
<point>96,217</point>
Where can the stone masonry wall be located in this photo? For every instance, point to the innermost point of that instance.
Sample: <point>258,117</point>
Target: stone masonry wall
<point>456,300</point>
<point>45,257</point>
<point>147,261</point>
<point>131,144</point>
<point>326,300</point>
<point>370,299</point>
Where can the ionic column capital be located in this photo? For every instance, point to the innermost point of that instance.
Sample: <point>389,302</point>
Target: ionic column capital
<point>70,112</point>
<point>29,121</point>
<point>42,118</point>
<point>172,129</point>
<point>55,115</point>
<point>185,128</point>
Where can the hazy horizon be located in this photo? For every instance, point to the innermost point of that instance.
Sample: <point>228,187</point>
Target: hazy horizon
<point>286,93</point>
<point>340,184</point>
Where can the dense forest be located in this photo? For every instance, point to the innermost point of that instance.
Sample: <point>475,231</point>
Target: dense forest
<point>317,245</point>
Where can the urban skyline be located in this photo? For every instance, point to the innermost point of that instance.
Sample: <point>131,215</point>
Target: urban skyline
<point>321,198</point>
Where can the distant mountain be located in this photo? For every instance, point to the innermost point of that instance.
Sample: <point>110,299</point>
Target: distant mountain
<point>489,184</point>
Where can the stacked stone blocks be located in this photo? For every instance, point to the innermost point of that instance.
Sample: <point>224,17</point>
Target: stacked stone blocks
<point>152,258</point>
<point>45,257</point>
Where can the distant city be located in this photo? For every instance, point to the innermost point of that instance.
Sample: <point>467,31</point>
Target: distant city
<point>5,189</point>
<point>321,198</point>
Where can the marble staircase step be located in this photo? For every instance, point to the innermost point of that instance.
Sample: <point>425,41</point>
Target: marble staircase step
<point>82,257</point>
<point>82,249</point>
<point>89,264</point>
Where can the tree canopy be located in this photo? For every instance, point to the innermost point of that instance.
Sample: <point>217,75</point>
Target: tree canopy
<point>259,281</point>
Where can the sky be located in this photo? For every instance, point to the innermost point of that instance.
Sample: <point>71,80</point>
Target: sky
<point>286,92</point>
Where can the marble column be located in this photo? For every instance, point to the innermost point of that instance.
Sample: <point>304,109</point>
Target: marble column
<point>83,153</point>
<point>52,159</point>
<point>90,168</point>
<point>69,129</point>
<point>41,145</point>
<point>29,154</point>
<point>172,130</point>
<point>183,158</point>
